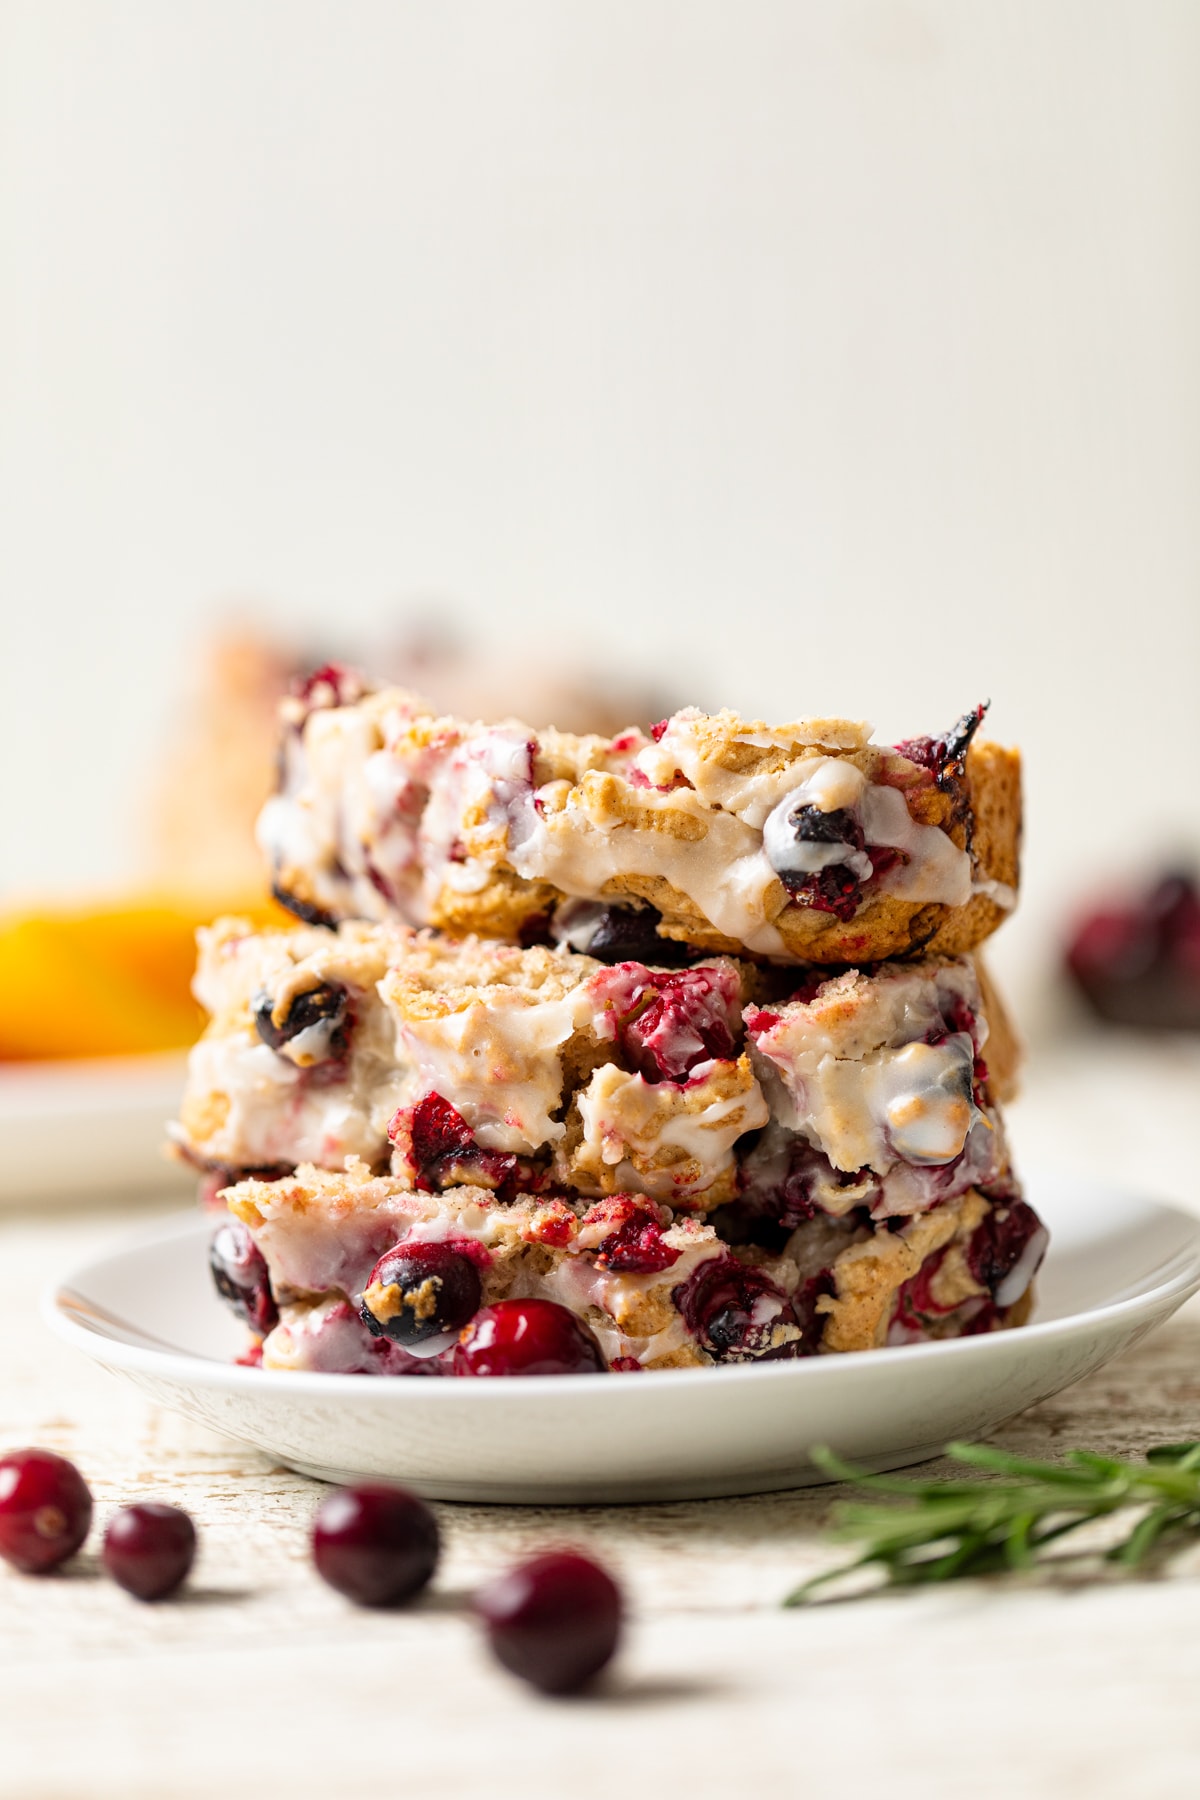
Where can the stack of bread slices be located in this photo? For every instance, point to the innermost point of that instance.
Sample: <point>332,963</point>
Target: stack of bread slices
<point>611,1054</point>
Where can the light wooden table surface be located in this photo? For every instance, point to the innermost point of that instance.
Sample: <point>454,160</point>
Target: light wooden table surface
<point>262,1681</point>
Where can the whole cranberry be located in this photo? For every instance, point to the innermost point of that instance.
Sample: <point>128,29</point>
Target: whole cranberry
<point>527,1337</point>
<point>149,1548</point>
<point>375,1543</point>
<point>418,1290</point>
<point>554,1620</point>
<point>239,1273</point>
<point>45,1510</point>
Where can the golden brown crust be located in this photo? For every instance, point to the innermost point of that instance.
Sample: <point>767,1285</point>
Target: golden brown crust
<point>869,1275</point>
<point>1004,1052</point>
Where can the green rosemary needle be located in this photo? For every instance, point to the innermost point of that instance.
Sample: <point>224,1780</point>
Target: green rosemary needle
<point>973,1526</point>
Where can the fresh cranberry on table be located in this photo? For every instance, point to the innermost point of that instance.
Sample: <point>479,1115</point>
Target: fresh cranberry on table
<point>418,1290</point>
<point>527,1337</point>
<point>45,1510</point>
<point>554,1621</point>
<point>375,1543</point>
<point>1139,964</point>
<point>149,1549</point>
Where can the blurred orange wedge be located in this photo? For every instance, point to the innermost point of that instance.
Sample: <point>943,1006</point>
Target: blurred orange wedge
<point>107,981</point>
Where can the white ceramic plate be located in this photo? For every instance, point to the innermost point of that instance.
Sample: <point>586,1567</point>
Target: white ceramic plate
<point>1118,1266</point>
<point>89,1129</point>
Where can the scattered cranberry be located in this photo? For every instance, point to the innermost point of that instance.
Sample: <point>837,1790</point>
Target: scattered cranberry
<point>554,1620</point>
<point>527,1337</point>
<point>149,1548</point>
<point>375,1543</point>
<point>1140,964</point>
<point>418,1290</point>
<point>240,1275</point>
<point>45,1510</point>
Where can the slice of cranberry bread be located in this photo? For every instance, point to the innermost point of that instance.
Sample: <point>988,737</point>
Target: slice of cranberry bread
<point>352,1273</point>
<point>801,842</point>
<point>477,1063</point>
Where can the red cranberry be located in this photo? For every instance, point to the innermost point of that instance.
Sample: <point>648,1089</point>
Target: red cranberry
<point>946,757</point>
<point>149,1548</point>
<point>669,1023</point>
<point>418,1290</point>
<point>637,1245</point>
<point>527,1337</point>
<point>554,1620</point>
<point>240,1274</point>
<point>442,1149</point>
<point>1005,1252</point>
<point>375,1543</point>
<point>45,1510</point>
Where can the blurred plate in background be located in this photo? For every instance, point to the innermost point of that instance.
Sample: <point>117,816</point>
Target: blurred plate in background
<point>90,1129</point>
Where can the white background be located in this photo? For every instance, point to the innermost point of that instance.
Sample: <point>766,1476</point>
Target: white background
<point>834,357</point>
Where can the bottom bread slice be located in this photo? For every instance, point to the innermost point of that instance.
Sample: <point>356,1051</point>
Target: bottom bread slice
<point>297,1257</point>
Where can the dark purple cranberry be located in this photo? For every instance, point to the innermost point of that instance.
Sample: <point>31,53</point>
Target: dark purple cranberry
<point>148,1549</point>
<point>375,1543</point>
<point>45,1510</point>
<point>445,1154</point>
<point>783,1179</point>
<point>812,826</point>
<point>527,1337</point>
<point>1011,1234</point>
<point>325,1007</point>
<point>630,934</point>
<point>240,1275</point>
<point>555,1621</point>
<point>835,890</point>
<point>418,1290</point>
<point>733,1310</point>
<point>946,757</point>
<point>305,910</point>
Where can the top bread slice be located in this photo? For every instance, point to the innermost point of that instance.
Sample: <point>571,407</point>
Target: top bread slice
<point>802,842</point>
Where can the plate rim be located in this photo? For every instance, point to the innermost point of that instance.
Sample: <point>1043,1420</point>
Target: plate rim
<point>61,1304</point>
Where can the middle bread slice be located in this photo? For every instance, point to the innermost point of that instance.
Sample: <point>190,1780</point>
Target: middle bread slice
<point>469,1062</point>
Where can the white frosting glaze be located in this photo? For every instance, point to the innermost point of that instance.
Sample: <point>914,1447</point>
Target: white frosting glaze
<point>851,1073</point>
<point>499,1063</point>
<point>276,1114</point>
<point>445,806</point>
<point>628,1122</point>
<point>832,786</point>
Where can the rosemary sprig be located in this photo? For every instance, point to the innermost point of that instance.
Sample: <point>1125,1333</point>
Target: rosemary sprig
<point>972,1526</point>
